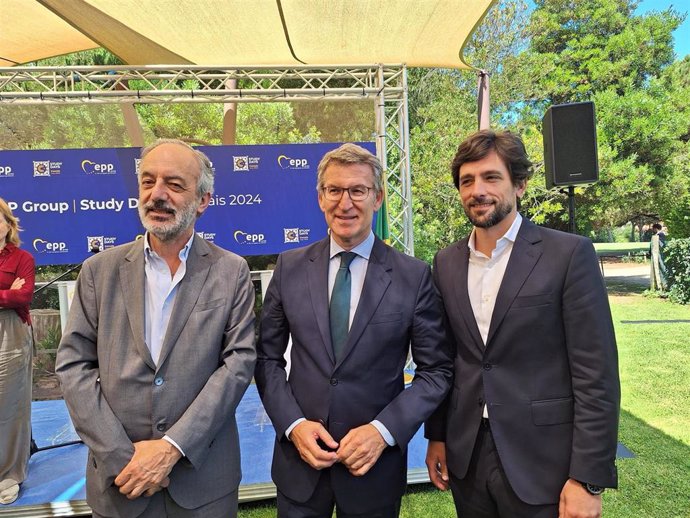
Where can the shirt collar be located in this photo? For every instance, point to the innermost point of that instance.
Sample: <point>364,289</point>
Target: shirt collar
<point>363,249</point>
<point>509,237</point>
<point>184,253</point>
<point>8,248</point>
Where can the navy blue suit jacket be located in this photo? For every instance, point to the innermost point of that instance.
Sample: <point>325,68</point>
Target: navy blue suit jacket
<point>398,307</point>
<point>548,372</point>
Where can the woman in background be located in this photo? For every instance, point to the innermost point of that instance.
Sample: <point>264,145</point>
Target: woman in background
<point>16,292</point>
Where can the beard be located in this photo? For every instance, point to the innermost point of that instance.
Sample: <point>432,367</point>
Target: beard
<point>489,219</point>
<point>167,231</point>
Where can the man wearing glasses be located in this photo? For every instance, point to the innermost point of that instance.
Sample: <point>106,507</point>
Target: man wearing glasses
<point>352,306</point>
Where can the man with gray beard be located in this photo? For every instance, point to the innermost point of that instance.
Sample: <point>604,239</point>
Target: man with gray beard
<point>157,353</point>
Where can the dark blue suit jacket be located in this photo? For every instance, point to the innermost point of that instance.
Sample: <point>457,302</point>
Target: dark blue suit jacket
<point>548,372</point>
<point>399,306</point>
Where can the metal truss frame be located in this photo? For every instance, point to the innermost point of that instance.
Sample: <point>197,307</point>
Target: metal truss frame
<point>386,85</point>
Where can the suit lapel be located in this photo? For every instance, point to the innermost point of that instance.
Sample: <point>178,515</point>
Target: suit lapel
<point>317,278</point>
<point>132,277</point>
<point>462,294</point>
<point>526,252</point>
<point>188,291</point>
<point>376,283</point>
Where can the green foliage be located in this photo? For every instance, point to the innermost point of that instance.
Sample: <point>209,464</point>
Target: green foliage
<point>677,217</point>
<point>677,259</point>
<point>583,46</point>
<point>270,123</point>
<point>200,123</point>
<point>336,121</point>
<point>45,350</point>
<point>56,127</point>
<point>599,50</point>
<point>443,112</point>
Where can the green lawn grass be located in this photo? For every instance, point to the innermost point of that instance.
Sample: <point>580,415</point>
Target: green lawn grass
<point>620,248</point>
<point>654,347</point>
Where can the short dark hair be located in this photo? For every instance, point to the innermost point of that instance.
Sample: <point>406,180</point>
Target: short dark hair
<point>507,145</point>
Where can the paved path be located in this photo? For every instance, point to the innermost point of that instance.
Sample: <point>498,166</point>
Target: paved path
<point>634,273</point>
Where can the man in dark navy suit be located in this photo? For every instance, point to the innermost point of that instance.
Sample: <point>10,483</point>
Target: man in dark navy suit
<point>530,426</point>
<point>353,306</point>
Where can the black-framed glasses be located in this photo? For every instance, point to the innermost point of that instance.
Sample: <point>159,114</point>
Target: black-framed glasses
<point>356,193</point>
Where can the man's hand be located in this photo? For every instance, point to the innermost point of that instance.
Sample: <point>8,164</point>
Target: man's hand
<point>17,283</point>
<point>576,502</point>
<point>305,436</point>
<point>436,464</point>
<point>148,469</point>
<point>361,448</point>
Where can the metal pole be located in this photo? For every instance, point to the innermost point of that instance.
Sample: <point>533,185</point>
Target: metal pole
<point>571,210</point>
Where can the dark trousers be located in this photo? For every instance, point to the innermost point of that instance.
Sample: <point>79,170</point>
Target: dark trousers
<point>161,505</point>
<point>322,502</point>
<point>485,492</point>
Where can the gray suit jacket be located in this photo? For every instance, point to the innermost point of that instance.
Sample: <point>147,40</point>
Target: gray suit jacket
<point>548,372</point>
<point>398,307</point>
<point>115,393</point>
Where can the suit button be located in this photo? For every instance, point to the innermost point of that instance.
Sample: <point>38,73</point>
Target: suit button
<point>487,366</point>
<point>333,381</point>
<point>160,427</point>
<point>158,381</point>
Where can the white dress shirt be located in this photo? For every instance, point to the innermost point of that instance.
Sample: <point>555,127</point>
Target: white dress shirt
<point>484,277</point>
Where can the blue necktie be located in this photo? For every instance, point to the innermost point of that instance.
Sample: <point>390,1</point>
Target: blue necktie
<point>340,304</point>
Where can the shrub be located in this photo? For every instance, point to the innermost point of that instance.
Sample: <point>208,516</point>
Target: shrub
<point>677,259</point>
<point>45,350</point>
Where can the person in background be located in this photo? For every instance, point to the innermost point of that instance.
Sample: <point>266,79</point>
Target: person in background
<point>657,276</point>
<point>16,292</point>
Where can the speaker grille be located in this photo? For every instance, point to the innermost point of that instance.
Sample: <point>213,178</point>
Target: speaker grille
<point>570,145</point>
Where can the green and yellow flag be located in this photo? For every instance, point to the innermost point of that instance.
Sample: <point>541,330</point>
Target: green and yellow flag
<point>381,228</point>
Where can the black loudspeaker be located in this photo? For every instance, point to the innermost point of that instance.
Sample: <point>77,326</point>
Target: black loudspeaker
<point>570,145</point>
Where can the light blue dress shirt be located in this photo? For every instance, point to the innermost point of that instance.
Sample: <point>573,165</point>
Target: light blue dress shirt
<point>159,299</point>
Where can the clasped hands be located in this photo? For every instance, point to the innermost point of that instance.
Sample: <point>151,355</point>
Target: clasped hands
<point>148,469</point>
<point>358,451</point>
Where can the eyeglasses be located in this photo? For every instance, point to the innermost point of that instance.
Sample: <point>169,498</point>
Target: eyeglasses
<point>356,193</point>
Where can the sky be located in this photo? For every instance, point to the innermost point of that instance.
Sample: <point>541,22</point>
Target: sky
<point>681,35</point>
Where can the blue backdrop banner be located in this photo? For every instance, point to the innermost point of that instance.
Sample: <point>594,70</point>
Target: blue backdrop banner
<point>70,201</point>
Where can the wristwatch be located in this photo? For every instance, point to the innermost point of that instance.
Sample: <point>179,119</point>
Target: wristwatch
<point>592,489</point>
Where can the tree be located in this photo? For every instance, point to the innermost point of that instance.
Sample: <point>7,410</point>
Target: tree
<point>600,50</point>
<point>443,111</point>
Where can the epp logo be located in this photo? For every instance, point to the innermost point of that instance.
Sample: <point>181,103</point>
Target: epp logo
<point>52,247</point>
<point>5,170</point>
<point>90,167</point>
<point>244,238</point>
<point>285,162</point>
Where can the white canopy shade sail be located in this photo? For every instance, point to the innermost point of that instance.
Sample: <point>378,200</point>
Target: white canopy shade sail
<point>423,33</point>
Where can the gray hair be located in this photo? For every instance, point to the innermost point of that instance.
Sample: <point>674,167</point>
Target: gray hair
<point>351,154</point>
<point>205,183</point>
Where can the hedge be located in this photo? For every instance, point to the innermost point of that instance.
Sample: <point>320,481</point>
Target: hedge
<point>677,259</point>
